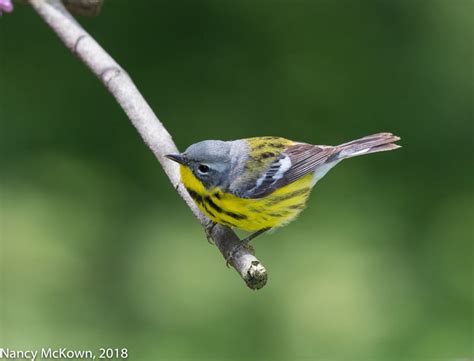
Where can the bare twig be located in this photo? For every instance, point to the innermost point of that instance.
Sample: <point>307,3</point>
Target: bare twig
<point>147,124</point>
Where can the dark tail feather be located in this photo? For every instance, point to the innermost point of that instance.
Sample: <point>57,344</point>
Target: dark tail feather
<point>379,142</point>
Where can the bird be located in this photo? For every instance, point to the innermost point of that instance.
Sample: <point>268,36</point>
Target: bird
<point>263,183</point>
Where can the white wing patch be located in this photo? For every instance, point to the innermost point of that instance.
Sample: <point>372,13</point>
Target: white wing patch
<point>285,164</point>
<point>276,171</point>
<point>259,182</point>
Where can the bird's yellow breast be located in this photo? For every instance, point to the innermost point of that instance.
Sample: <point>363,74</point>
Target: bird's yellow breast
<point>274,210</point>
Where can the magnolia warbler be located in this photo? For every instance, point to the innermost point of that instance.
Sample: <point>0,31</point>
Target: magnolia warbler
<point>261,183</point>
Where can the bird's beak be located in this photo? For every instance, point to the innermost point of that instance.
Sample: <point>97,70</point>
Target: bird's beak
<point>178,158</point>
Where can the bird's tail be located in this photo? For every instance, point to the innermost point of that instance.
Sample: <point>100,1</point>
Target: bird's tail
<point>379,142</point>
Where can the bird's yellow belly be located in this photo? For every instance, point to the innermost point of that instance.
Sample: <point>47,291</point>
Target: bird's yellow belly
<point>274,210</point>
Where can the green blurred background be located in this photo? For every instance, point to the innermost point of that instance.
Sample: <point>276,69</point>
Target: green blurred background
<point>98,250</point>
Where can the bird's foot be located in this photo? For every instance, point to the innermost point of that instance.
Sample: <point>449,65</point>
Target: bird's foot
<point>209,233</point>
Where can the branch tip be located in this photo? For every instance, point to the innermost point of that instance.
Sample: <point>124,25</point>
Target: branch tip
<point>256,276</point>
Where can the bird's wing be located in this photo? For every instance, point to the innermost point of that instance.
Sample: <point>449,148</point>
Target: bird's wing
<point>291,164</point>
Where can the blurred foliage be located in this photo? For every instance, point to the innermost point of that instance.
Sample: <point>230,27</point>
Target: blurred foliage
<point>98,250</point>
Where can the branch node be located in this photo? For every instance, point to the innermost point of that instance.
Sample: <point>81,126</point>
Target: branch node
<point>76,44</point>
<point>110,74</point>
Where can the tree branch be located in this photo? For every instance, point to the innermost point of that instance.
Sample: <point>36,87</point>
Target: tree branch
<point>148,126</point>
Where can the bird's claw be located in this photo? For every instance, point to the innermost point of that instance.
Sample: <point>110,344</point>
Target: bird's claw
<point>209,239</point>
<point>209,233</point>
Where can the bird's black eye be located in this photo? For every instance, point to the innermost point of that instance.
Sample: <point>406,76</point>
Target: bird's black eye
<point>203,168</point>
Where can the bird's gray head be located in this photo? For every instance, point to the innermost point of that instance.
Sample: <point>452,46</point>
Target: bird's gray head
<point>209,161</point>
